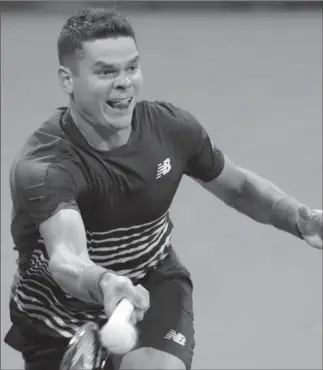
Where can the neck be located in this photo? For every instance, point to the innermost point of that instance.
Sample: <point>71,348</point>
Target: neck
<point>99,136</point>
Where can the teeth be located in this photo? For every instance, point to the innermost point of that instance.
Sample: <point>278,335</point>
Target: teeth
<point>120,100</point>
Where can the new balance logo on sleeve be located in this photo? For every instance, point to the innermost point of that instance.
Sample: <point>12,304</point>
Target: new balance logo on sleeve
<point>163,168</point>
<point>176,337</point>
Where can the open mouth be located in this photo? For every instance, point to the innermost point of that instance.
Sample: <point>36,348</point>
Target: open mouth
<point>121,104</point>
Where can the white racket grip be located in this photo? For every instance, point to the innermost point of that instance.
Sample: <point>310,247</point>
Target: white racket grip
<point>122,313</point>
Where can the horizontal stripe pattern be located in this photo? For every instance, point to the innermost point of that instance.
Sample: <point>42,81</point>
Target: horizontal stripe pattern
<point>129,251</point>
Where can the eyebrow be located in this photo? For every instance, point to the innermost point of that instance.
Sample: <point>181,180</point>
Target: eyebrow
<point>100,63</point>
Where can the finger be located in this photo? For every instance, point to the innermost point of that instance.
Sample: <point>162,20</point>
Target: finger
<point>110,294</point>
<point>312,223</point>
<point>110,305</point>
<point>315,241</point>
<point>146,295</point>
<point>127,290</point>
<point>317,217</point>
<point>317,214</point>
<point>133,318</point>
<point>304,212</point>
<point>139,315</point>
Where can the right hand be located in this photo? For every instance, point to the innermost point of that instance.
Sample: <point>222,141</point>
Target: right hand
<point>115,288</point>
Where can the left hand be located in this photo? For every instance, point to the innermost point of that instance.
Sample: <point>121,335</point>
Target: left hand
<point>310,224</point>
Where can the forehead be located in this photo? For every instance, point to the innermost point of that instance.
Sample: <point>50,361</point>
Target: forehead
<point>116,50</point>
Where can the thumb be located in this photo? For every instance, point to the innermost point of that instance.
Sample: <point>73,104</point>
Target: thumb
<point>304,212</point>
<point>110,305</point>
<point>135,296</point>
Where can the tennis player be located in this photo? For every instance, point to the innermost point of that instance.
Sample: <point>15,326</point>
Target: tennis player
<point>91,192</point>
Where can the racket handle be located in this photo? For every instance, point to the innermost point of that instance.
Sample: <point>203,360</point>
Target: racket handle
<point>119,335</point>
<point>123,312</point>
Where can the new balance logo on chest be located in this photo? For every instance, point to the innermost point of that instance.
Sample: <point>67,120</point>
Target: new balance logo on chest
<point>163,168</point>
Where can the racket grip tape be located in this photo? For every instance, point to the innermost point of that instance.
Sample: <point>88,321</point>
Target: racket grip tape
<point>122,312</point>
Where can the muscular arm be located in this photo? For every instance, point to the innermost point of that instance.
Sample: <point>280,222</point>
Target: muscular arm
<point>239,188</point>
<point>65,240</point>
<point>47,193</point>
<point>255,197</point>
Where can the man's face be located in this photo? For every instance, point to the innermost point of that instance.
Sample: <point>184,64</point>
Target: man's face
<point>108,81</point>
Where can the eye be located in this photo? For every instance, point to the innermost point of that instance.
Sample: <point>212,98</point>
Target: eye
<point>133,68</point>
<point>106,72</point>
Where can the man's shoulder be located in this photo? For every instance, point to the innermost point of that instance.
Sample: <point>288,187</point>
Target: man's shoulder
<point>164,110</point>
<point>41,149</point>
<point>169,118</point>
<point>46,138</point>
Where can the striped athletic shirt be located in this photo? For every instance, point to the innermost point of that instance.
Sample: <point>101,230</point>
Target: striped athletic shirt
<point>123,195</point>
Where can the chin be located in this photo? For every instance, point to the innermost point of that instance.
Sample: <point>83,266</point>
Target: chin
<point>118,123</point>
<point>121,123</point>
<point>118,119</point>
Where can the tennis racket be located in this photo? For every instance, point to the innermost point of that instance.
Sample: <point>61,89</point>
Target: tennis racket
<point>85,350</point>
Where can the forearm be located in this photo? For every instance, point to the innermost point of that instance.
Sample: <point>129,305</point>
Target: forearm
<point>265,203</point>
<point>77,275</point>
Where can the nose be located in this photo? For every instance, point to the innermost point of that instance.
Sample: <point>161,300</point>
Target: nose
<point>122,82</point>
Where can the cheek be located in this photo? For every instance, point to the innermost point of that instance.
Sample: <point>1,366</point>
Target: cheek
<point>87,91</point>
<point>137,80</point>
<point>81,90</point>
<point>101,89</point>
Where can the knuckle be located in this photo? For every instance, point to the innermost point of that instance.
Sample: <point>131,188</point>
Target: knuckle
<point>123,284</point>
<point>140,316</point>
<point>133,318</point>
<point>147,297</point>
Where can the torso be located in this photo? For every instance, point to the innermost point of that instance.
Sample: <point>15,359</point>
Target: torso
<point>124,197</point>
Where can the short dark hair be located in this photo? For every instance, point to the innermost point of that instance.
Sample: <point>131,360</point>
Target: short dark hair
<point>88,25</point>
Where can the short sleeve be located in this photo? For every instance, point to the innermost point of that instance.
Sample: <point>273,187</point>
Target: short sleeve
<point>202,159</point>
<point>41,190</point>
<point>206,161</point>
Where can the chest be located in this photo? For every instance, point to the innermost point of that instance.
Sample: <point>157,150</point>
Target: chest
<point>129,187</point>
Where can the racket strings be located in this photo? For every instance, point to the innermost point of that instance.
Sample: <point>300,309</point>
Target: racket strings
<point>85,354</point>
<point>84,351</point>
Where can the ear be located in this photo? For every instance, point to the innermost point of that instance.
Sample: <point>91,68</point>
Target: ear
<point>65,77</point>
